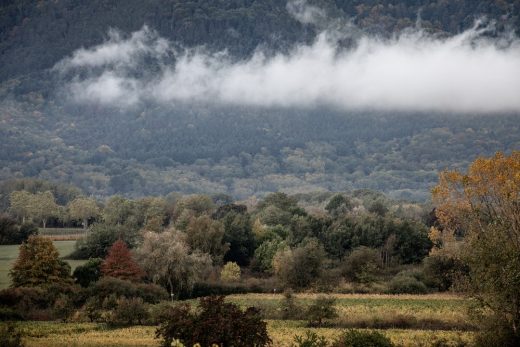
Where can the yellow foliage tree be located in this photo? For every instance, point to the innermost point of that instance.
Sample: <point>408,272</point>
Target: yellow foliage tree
<point>483,207</point>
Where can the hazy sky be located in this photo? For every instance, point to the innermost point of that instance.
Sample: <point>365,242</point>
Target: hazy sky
<point>412,71</point>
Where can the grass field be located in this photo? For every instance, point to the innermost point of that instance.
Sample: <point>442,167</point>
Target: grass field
<point>447,309</point>
<point>436,311</point>
<point>50,334</point>
<point>9,253</point>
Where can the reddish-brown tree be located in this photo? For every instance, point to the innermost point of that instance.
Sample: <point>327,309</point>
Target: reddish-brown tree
<point>119,263</point>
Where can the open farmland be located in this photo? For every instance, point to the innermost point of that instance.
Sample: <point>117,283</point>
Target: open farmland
<point>354,310</point>
<point>9,253</point>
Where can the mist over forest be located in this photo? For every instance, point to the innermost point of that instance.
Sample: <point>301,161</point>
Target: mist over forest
<point>250,97</point>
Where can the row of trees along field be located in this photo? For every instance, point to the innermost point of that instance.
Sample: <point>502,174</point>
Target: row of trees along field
<point>140,250</point>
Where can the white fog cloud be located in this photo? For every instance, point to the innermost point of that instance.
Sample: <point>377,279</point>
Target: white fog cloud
<point>410,72</point>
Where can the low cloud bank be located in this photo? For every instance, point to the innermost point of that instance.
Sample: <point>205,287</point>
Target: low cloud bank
<point>413,71</point>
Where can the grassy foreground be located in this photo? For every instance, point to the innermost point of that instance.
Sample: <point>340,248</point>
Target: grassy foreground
<point>447,311</point>
<point>9,253</point>
<point>51,334</point>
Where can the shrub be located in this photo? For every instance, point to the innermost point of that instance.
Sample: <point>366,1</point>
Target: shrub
<point>406,285</point>
<point>63,307</point>
<point>91,309</point>
<point>289,308</point>
<point>217,322</point>
<point>89,272</point>
<point>129,311</point>
<point>24,300</point>
<point>150,293</point>
<point>441,271</point>
<point>322,308</point>
<point>230,272</point>
<point>362,265</point>
<point>311,339</point>
<point>358,338</point>
<point>10,336</point>
<point>8,314</point>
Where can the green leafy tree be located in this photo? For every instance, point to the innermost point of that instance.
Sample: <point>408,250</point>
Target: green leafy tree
<point>152,213</point>
<point>230,272</point>
<point>266,252</point>
<point>101,237</point>
<point>207,235</point>
<point>83,209</point>
<point>300,267</point>
<point>19,204</point>
<point>38,264</point>
<point>42,206</point>
<point>11,233</point>
<point>338,204</point>
<point>89,272</point>
<point>238,233</point>
<point>118,211</point>
<point>362,265</point>
<point>168,260</point>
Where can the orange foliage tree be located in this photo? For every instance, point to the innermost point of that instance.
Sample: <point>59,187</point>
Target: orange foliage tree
<point>482,208</point>
<point>119,263</point>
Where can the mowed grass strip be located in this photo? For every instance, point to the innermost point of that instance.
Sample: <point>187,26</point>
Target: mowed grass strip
<point>54,334</point>
<point>9,253</point>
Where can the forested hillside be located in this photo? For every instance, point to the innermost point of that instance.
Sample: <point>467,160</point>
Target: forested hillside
<point>156,148</point>
<point>36,34</point>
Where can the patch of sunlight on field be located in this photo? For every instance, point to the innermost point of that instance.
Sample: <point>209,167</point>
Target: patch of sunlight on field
<point>9,253</point>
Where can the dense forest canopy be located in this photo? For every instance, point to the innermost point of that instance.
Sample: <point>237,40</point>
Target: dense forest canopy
<point>154,148</point>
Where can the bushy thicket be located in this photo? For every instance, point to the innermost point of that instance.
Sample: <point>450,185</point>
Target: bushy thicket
<point>349,338</point>
<point>216,322</point>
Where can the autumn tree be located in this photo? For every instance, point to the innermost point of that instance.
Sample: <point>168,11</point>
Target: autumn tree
<point>119,263</point>
<point>483,207</point>
<point>83,209</point>
<point>38,264</point>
